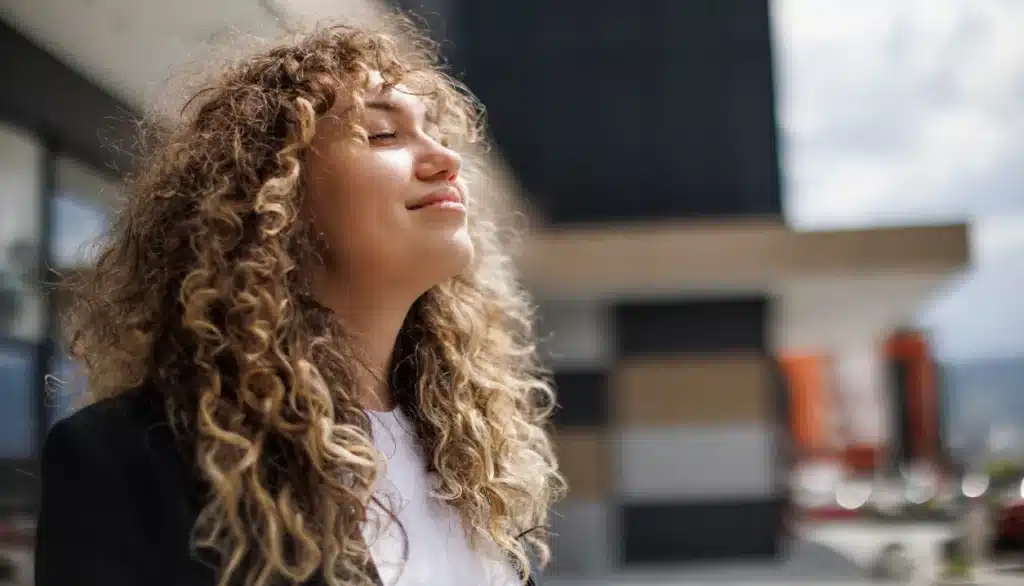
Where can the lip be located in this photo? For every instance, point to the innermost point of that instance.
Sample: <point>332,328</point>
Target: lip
<point>447,195</point>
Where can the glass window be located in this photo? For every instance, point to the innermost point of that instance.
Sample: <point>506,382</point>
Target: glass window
<point>21,307</point>
<point>81,212</point>
<point>17,370</point>
<point>65,389</point>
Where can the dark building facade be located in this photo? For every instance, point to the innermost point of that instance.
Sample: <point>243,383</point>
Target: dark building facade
<point>611,111</point>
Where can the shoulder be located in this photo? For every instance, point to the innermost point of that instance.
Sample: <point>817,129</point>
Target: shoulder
<point>110,495</point>
<point>115,433</point>
<point>129,412</point>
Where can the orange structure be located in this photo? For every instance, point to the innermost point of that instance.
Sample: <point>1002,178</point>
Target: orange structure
<point>819,414</point>
<point>805,376</point>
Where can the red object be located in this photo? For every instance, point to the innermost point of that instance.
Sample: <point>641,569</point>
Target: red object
<point>805,377</point>
<point>911,349</point>
<point>1010,526</point>
<point>863,459</point>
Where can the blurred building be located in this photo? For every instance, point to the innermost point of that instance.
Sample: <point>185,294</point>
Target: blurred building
<point>874,418</point>
<point>876,410</point>
<point>644,140</point>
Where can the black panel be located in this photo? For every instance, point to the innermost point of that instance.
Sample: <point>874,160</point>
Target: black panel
<point>903,450</point>
<point>613,110</point>
<point>691,327</point>
<point>582,399</point>
<point>669,533</point>
<point>785,442</point>
<point>940,376</point>
<point>41,94</point>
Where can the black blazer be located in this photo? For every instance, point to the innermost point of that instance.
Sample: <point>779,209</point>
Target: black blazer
<point>119,499</point>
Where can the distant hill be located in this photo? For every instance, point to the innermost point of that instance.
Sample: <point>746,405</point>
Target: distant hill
<point>982,397</point>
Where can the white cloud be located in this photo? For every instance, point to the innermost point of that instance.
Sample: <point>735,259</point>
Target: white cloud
<point>913,112</point>
<point>995,239</point>
<point>900,111</point>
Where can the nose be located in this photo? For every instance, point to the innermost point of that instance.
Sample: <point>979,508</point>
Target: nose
<point>438,163</point>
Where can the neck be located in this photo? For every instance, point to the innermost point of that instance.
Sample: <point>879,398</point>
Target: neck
<point>374,320</point>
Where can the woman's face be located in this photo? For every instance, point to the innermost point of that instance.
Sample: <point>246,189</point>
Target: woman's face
<point>392,212</point>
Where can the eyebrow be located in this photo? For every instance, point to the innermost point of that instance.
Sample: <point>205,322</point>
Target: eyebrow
<point>392,107</point>
<point>383,105</point>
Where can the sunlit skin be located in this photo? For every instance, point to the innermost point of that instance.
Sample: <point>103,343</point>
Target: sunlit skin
<point>384,247</point>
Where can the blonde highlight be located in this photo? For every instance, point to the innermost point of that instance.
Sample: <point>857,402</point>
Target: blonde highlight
<point>203,293</point>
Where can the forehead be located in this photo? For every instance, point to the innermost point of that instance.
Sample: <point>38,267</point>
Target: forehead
<point>401,98</point>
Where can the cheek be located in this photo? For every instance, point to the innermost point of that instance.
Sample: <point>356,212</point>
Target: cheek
<point>370,193</point>
<point>359,206</point>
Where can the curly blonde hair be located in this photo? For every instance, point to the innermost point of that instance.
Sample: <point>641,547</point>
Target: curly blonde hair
<point>203,292</point>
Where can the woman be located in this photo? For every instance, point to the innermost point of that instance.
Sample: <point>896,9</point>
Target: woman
<point>309,360</point>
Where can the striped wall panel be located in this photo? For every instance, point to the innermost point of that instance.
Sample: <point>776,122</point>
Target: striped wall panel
<point>704,529</point>
<point>577,345</point>
<point>677,329</point>
<point>666,430</point>
<point>701,390</point>
<point>585,539</point>
<point>665,464</point>
<point>584,536</point>
<point>584,461</point>
<point>575,334</point>
<point>582,398</point>
<point>694,435</point>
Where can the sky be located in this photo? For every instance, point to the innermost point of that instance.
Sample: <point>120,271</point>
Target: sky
<point>912,112</point>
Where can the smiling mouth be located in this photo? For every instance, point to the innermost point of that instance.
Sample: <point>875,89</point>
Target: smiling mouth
<point>445,198</point>
<point>438,204</point>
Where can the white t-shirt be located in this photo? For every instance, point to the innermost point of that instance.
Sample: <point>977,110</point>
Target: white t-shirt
<point>439,551</point>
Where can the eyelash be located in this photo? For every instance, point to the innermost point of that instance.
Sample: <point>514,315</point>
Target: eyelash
<point>442,140</point>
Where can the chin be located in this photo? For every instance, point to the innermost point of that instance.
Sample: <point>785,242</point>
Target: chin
<point>449,256</point>
<point>462,253</point>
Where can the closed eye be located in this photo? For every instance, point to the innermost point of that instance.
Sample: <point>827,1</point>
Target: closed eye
<point>382,136</point>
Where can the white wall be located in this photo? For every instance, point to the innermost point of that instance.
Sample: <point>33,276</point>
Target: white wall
<point>862,393</point>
